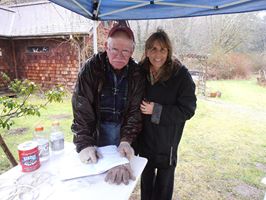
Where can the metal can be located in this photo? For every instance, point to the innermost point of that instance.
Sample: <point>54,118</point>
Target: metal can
<point>29,156</point>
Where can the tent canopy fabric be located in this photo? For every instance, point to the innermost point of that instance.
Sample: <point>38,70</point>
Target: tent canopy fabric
<point>103,10</point>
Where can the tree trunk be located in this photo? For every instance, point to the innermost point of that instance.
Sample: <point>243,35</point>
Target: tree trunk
<point>7,152</point>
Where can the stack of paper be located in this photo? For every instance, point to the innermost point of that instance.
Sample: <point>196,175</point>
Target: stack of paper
<point>72,167</point>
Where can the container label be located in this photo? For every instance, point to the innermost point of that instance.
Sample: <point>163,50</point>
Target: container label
<point>29,160</point>
<point>29,156</point>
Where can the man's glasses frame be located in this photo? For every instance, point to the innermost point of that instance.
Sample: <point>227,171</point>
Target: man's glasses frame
<point>116,52</point>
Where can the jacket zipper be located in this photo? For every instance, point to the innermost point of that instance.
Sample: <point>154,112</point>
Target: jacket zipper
<point>99,89</point>
<point>171,153</point>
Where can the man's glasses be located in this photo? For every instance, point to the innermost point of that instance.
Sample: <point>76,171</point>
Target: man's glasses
<point>116,52</point>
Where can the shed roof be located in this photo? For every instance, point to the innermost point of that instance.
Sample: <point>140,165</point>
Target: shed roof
<point>41,19</point>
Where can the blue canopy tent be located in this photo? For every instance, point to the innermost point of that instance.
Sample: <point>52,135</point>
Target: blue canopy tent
<point>100,10</point>
<point>157,9</point>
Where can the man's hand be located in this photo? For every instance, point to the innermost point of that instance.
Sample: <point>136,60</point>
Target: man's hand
<point>126,150</point>
<point>89,155</point>
<point>119,174</point>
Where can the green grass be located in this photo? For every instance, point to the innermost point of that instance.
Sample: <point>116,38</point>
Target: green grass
<point>221,149</point>
<point>219,145</point>
<point>223,143</point>
<point>241,92</point>
<point>61,112</point>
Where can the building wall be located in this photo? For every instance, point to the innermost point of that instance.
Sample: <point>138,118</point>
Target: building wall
<point>48,62</point>
<point>58,65</point>
<point>6,61</point>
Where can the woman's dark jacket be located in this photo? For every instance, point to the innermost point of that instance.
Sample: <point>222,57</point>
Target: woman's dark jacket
<point>85,102</point>
<point>175,102</point>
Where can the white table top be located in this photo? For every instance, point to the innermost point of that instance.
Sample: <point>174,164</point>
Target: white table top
<point>45,183</point>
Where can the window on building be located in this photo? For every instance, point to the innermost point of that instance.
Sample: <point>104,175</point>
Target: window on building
<point>1,52</point>
<point>37,49</point>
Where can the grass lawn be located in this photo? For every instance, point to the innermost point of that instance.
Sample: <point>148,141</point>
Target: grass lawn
<point>222,154</point>
<point>241,92</point>
<point>24,127</point>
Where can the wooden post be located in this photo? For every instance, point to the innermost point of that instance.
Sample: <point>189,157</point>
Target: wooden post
<point>7,152</point>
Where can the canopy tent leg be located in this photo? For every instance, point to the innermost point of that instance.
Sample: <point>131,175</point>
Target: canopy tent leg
<point>95,47</point>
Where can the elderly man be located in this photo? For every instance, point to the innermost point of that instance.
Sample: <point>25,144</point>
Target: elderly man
<point>106,102</point>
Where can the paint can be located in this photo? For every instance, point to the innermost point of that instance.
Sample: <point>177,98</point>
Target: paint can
<point>29,156</point>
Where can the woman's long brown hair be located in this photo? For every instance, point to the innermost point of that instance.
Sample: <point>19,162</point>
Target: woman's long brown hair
<point>170,63</point>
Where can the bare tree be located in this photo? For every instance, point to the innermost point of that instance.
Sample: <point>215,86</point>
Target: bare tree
<point>141,30</point>
<point>226,32</point>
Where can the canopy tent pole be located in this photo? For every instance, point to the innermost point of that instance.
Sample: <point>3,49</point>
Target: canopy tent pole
<point>234,3</point>
<point>80,6</point>
<point>95,47</point>
<point>95,25</point>
<point>184,5</point>
<point>157,2</point>
<point>125,9</point>
<point>160,2</point>
<point>98,7</point>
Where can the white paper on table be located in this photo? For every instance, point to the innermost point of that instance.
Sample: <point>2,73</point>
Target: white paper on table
<point>71,167</point>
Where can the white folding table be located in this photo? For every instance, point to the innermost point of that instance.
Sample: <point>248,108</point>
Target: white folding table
<point>45,183</point>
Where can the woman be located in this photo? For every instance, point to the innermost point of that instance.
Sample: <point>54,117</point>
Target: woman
<point>170,101</point>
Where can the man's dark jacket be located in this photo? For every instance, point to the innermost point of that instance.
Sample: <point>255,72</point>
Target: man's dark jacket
<point>85,102</point>
<point>175,102</point>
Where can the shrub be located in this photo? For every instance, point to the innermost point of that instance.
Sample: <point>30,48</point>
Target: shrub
<point>229,66</point>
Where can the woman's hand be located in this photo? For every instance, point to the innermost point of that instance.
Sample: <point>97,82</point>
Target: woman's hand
<point>146,107</point>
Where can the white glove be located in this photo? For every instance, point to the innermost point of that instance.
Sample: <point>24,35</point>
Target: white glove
<point>89,155</point>
<point>126,150</point>
<point>119,174</point>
